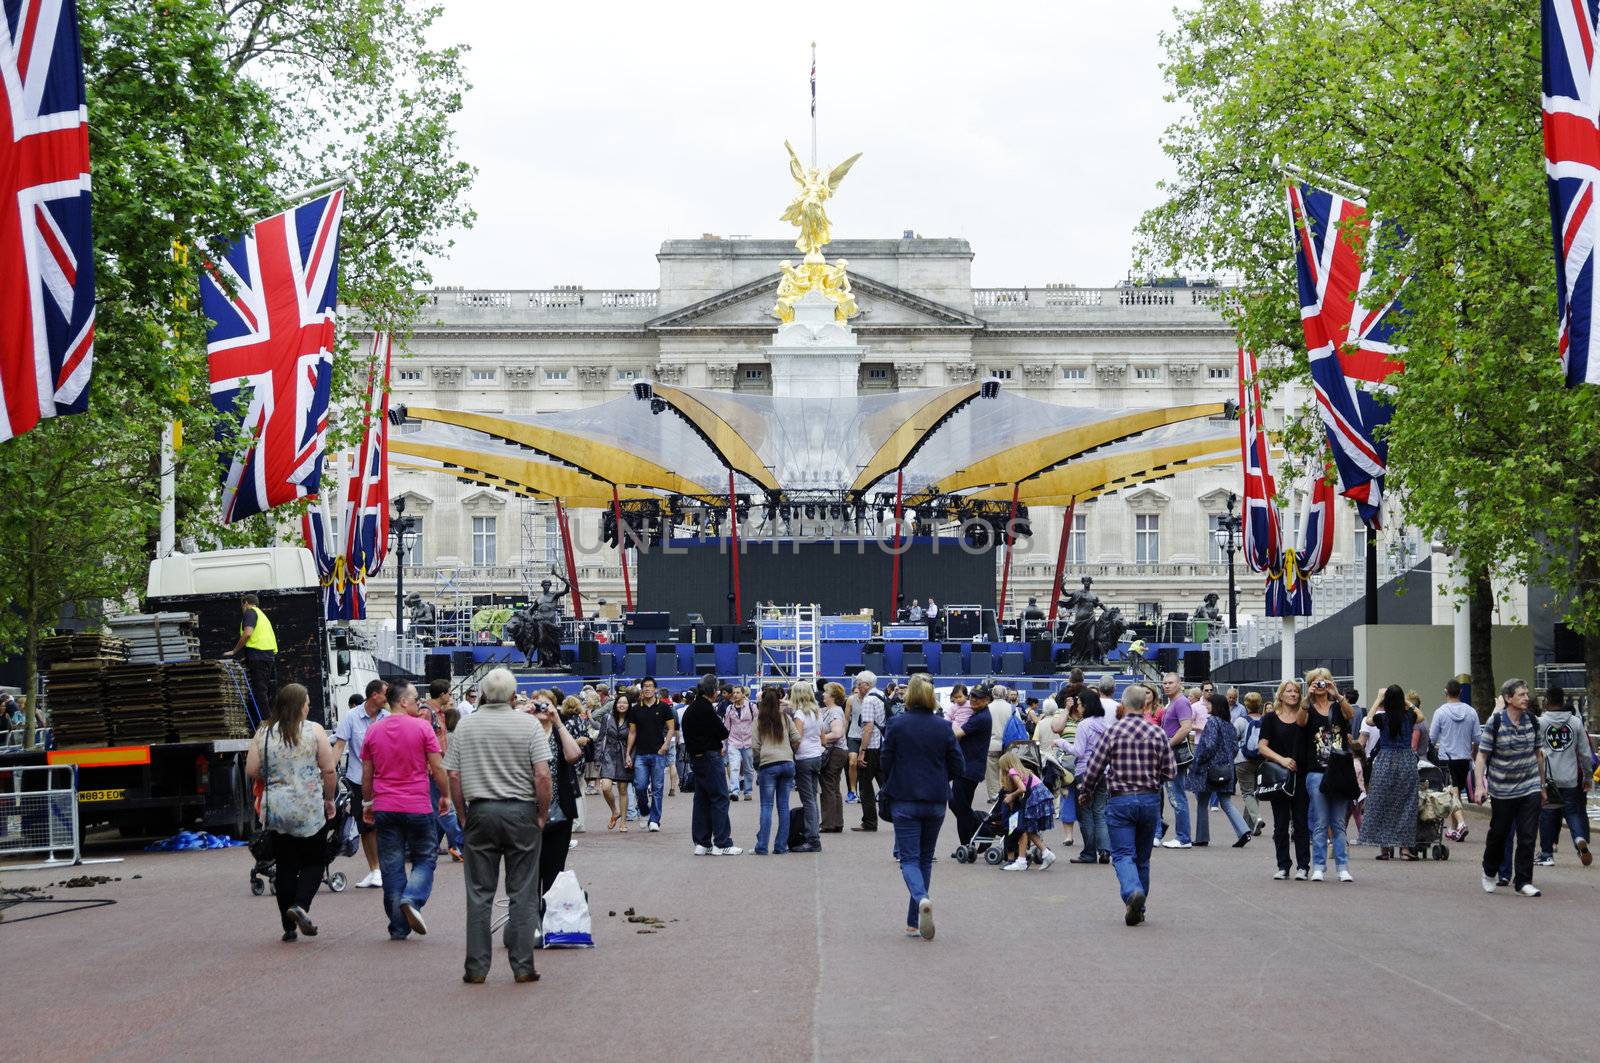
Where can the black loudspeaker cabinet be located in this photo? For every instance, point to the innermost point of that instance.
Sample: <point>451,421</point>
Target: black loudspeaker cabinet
<point>963,622</point>
<point>1568,644</point>
<point>1042,652</point>
<point>436,666</point>
<point>588,652</point>
<point>461,662</point>
<point>1196,666</point>
<point>1167,659</point>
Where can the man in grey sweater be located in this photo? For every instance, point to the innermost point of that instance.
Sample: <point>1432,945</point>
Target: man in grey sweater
<point>1454,733</point>
<point>1569,772</point>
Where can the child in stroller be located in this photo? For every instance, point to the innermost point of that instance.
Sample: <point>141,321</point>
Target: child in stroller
<point>1025,793</point>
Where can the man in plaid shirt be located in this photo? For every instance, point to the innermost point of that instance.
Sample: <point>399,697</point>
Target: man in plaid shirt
<point>1132,762</point>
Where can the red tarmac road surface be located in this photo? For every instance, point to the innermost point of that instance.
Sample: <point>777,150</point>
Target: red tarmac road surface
<point>802,957</point>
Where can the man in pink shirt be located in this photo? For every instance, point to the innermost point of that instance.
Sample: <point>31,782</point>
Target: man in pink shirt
<point>400,754</point>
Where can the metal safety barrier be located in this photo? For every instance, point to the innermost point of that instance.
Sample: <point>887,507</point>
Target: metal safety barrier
<point>39,814</point>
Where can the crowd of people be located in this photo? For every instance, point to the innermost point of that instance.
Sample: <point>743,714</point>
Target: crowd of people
<point>501,779</point>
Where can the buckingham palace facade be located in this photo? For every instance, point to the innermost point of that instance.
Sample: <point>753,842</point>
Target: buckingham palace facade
<point>1150,549</point>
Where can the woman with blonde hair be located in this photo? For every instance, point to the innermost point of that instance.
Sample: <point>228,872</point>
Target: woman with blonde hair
<point>1328,763</point>
<point>808,762</point>
<point>292,758</point>
<point>1283,780</point>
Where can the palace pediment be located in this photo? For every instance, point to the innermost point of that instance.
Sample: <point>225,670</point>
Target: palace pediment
<point>884,308</point>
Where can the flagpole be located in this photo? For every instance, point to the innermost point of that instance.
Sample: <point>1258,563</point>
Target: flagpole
<point>813,105</point>
<point>1302,173</point>
<point>344,180</point>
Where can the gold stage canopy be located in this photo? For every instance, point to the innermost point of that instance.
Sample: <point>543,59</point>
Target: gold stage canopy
<point>970,440</point>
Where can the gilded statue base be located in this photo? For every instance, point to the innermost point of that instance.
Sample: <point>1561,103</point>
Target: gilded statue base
<point>815,274</point>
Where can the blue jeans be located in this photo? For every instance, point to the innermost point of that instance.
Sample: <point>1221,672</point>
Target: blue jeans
<point>709,825</point>
<point>650,778</point>
<point>1328,815</point>
<point>741,765</point>
<point>1131,821</point>
<point>405,838</point>
<point>1178,797</point>
<point>449,825</point>
<point>1096,838</point>
<point>1202,817</point>
<point>775,780</point>
<point>1572,810</point>
<point>916,834</point>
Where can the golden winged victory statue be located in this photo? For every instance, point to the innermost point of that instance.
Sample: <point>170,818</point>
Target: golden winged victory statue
<point>807,211</point>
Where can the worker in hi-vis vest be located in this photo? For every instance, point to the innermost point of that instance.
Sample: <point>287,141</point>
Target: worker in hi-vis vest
<point>259,646</point>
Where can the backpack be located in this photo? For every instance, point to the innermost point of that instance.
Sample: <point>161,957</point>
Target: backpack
<point>1016,730</point>
<point>1252,738</point>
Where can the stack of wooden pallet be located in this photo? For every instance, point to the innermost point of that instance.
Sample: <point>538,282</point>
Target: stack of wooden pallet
<point>75,698</point>
<point>136,703</point>
<point>81,646</point>
<point>206,701</point>
<point>158,637</point>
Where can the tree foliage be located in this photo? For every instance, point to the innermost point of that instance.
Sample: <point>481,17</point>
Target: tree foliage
<point>1435,110</point>
<point>202,114</point>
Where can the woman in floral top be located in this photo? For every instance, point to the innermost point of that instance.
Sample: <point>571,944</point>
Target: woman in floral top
<point>292,758</point>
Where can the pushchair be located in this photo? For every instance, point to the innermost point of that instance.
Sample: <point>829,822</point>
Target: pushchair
<point>343,840</point>
<point>1436,799</point>
<point>994,826</point>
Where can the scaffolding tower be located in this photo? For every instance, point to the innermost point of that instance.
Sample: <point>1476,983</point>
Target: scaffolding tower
<point>788,642</point>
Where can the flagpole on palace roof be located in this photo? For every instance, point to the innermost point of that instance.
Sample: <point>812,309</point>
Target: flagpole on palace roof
<point>813,105</point>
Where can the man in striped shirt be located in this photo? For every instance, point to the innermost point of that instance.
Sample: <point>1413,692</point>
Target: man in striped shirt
<point>499,768</point>
<point>1132,762</point>
<point>1511,775</point>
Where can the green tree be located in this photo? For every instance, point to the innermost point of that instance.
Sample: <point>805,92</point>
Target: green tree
<point>1434,109</point>
<point>202,113</point>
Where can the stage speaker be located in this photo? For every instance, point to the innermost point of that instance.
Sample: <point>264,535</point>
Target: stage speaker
<point>1568,645</point>
<point>1042,652</point>
<point>963,622</point>
<point>437,666</point>
<point>1197,666</point>
<point>461,662</point>
<point>1167,659</point>
<point>588,652</point>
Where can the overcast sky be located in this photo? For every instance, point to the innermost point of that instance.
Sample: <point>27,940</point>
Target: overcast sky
<point>600,129</point>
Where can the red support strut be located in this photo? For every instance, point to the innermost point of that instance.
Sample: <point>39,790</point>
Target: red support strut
<point>572,566</point>
<point>1061,561</point>
<point>622,546</point>
<point>733,530</point>
<point>1005,577</point>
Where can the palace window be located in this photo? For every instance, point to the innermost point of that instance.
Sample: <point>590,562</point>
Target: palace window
<point>1000,374</point>
<point>1147,372</point>
<point>1074,372</point>
<point>483,376</point>
<point>1078,544</point>
<point>553,375</point>
<point>1147,538</point>
<point>483,541</point>
<point>627,374</point>
<point>410,376</point>
<point>877,374</point>
<point>1219,372</point>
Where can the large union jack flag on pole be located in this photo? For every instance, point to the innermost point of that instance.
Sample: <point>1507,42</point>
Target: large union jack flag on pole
<point>1262,530</point>
<point>271,298</point>
<point>1571,164</point>
<point>46,249</point>
<point>1350,345</point>
<point>366,508</point>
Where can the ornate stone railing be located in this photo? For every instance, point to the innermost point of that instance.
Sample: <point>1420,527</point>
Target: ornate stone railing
<point>1055,298</point>
<point>545,298</point>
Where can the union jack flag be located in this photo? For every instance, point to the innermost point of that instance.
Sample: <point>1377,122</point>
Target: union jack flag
<point>46,248</point>
<point>366,507</point>
<point>1571,164</point>
<point>1330,235</point>
<point>317,525</point>
<point>1314,547</point>
<point>1263,537</point>
<point>271,298</point>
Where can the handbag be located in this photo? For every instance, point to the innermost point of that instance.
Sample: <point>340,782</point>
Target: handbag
<point>264,846</point>
<point>1183,755</point>
<point>1220,779</point>
<point>1275,779</point>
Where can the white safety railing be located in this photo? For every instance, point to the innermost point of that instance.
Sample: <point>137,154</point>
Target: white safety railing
<point>39,815</point>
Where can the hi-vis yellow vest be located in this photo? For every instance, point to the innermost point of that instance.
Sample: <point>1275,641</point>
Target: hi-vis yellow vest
<point>262,636</point>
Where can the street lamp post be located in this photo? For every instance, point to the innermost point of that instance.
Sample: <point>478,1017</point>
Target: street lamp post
<point>1228,527</point>
<point>401,527</point>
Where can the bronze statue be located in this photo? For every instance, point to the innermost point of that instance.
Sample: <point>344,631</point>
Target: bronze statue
<point>1208,610</point>
<point>537,629</point>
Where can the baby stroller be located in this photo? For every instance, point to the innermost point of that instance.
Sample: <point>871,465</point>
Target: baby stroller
<point>996,825</point>
<point>343,840</point>
<point>1436,799</point>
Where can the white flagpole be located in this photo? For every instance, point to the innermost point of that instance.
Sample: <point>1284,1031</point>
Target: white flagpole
<point>1302,173</point>
<point>813,105</point>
